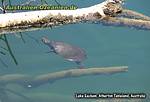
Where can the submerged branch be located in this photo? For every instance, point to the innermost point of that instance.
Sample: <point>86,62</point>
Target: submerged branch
<point>126,22</point>
<point>134,15</point>
<point>32,82</point>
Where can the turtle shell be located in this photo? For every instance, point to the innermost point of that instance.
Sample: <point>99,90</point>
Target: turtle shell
<point>69,52</point>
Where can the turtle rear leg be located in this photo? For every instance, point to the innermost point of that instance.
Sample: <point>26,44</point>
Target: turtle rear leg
<point>51,51</point>
<point>80,65</point>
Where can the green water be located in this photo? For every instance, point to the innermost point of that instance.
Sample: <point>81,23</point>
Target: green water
<point>105,46</point>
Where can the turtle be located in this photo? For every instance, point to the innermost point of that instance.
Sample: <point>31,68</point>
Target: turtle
<point>67,51</point>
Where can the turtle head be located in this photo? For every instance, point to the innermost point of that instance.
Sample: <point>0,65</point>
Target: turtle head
<point>45,40</point>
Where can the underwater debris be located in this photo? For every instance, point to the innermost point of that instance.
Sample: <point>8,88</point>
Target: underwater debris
<point>28,81</point>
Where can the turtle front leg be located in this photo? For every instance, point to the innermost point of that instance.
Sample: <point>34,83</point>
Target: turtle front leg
<point>80,65</point>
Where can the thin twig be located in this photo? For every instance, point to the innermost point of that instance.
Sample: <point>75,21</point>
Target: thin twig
<point>3,63</point>
<point>44,2</point>
<point>3,6</point>
<point>2,53</point>
<point>28,2</point>
<point>9,2</point>
<point>57,2</point>
<point>3,48</point>
<point>22,38</point>
<point>10,51</point>
<point>31,37</point>
<point>18,94</point>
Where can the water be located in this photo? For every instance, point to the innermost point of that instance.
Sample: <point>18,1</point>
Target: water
<point>105,46</point>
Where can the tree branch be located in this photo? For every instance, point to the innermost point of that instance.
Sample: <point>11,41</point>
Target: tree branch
<point>32,82</point>
<point>104,13</point>
<point>14,22</point>
<point>134,15</point>
<point>126,22</point>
